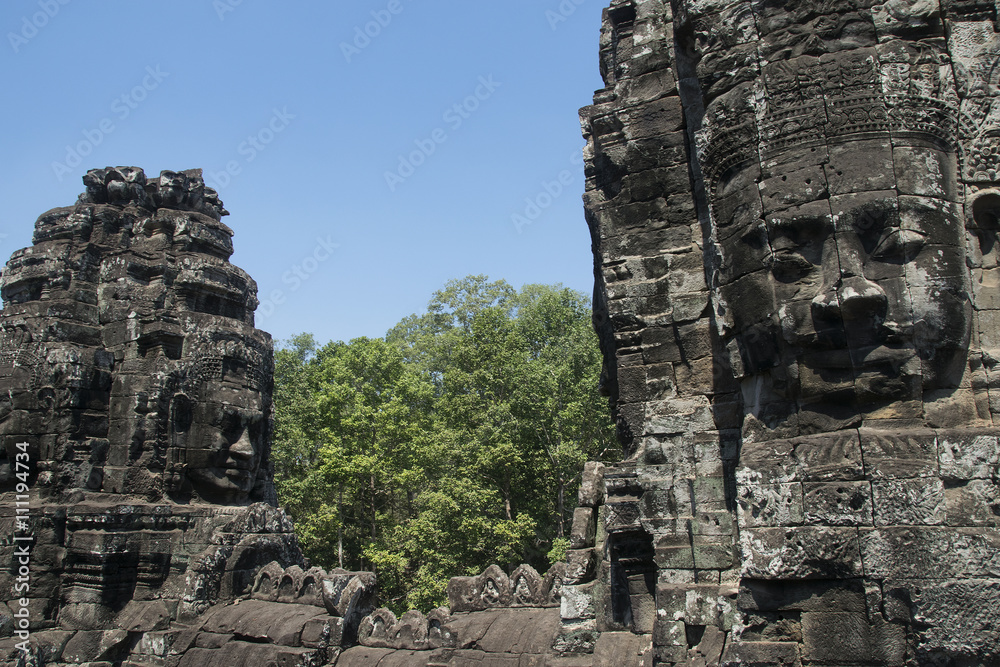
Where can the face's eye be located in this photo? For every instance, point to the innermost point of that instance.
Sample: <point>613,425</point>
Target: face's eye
<point>900,245</point>
<point>256,426</point>
<point>232,424</point>
<point>874,216</point>
<point>789,266</point>
<point>755,237</point>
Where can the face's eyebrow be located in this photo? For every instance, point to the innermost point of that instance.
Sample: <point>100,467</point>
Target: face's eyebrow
<point>791,225</point>
<point>870,214</point>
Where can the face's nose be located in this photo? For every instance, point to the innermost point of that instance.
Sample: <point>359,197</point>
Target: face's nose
<point>243,448</point>
<point>850,300</point>
<point>846,295</point>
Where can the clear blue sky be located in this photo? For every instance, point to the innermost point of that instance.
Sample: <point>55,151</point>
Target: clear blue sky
<point>186,84</point>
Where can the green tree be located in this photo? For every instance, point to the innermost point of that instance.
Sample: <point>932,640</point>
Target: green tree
<point>454,443</point>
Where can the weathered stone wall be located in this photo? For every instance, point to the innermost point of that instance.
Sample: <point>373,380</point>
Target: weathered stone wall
<point>668,508</point>
<point>135,419</point>
<point>793,209</point>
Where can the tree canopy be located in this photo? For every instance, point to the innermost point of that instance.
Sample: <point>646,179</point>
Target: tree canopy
<point>454,442</point>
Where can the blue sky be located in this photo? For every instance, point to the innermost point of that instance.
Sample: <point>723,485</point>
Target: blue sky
<point>410,148</point>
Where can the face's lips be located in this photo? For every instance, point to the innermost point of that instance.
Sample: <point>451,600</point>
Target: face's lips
<point>242,466</point>
<point>859,358</point>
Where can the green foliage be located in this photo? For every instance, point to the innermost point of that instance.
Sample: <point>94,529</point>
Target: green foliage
<point>454,443</point>
<point>560,547</point>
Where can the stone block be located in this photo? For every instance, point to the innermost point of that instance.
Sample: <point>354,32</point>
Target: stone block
<point>577,638</point>
<point>973,503</point>
<point>924,172</point>
<point>592,492</point>
<point>717,523</point>
<point>762,654</point>
<point>322,632</point>
<point>714,553</point>
<point>909,502</point>
<point>653,118</point>
<point>632,384</point>
<point>957,616</point>
<point>968,455</point>
<point>643,612</point>
<point>844,595</point>
<point>838,638</point>
<point>144,616</point>
<point>581,566</point>
<point>648,87</point>
<point>709,494</point>
<point>669,632</point>
<point>911,552</point>
<point>50,644</point>
<point>899,455</point>
<point>770,505</point>
<point>681,415</point>
<point>584,530</point>
<point>838,503</point>
<point>156,643</point>
<point>693,604</point>
<point>820,458</point>
<point>520,631</point>
<point>577,602</point>
<point>843,175</point>
<point>801,553</point>
<point>618,649</point>
<point>680,557</point>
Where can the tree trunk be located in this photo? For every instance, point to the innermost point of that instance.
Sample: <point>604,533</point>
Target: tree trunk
<point>340,528</point>
<point>372,481</point>
<point>561,506</point>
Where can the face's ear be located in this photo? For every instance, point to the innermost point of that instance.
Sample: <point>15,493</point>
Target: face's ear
<point>181,414</point>
<point>46,398</point>
<point>986,210</point>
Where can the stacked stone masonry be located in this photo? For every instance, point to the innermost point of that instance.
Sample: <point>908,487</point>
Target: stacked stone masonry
<point>136,497</point>
<point>795,217</point>
<point>793,208</point>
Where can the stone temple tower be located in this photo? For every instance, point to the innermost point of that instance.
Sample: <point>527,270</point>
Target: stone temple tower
<point>793,208</point>
<point>135,412</point>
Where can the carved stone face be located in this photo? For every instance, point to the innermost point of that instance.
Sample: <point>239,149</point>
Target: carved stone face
<point>844,282</point>
<point>222,443</point>
<point>15,423</point>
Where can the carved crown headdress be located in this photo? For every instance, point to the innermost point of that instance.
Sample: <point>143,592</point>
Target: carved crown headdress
<point>810,102</point>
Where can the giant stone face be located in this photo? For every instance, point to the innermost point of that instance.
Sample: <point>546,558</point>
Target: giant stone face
<point>858,299</point>
<point>842,282</point>
<point>220,443</point>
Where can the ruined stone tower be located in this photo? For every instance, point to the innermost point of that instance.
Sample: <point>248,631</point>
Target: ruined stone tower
<point>793,208</point>
<point>135,416</point>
